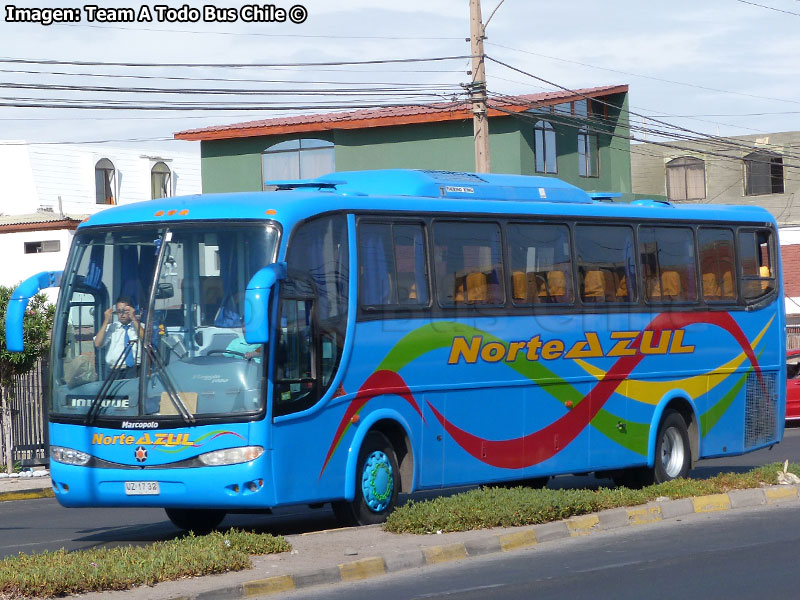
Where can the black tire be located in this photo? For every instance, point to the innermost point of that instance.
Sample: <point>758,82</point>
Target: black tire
<point>673,456</point>
<point>673,453</point>
<point>199,520</point>
<point>377,478</point>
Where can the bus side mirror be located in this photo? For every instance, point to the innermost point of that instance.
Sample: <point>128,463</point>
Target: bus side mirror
<point>15,312</point>
<point>256,302</point>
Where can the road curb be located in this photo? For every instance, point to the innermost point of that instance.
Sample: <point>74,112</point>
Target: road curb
<point>27,494</point>
<point>579,526</point>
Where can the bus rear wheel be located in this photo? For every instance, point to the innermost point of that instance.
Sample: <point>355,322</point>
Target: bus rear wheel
<point>377,484</point>
<point>673,456</point>
<point>673,453</point>
<point>199,520</point>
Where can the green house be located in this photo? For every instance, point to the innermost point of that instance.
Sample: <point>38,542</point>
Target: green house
<point>580,136</point>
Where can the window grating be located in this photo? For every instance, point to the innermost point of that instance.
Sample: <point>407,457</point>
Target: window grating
<point>761,410</point>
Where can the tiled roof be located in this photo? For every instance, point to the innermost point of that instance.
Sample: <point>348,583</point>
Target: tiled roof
<point>389,115</point>
<point>37,221</point>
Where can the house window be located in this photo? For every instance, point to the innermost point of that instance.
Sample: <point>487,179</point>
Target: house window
<point>545,147</point>
<point>763,173</point>
<point>43,246</point>
<point>105,182</point>
<point>686,179</point>
<point>297,159</point>
<point>160,181</point>
<point>588,164</point>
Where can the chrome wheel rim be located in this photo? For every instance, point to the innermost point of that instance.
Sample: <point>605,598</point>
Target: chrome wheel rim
<point>672,452</point>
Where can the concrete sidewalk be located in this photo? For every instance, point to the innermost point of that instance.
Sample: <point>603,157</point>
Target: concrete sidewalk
<point>26,485</point>
<point>352,554</point>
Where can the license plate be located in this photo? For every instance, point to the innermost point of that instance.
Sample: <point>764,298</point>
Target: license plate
<point>142,488</point>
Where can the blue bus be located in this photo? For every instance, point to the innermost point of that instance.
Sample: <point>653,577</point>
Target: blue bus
<point>365,334</point>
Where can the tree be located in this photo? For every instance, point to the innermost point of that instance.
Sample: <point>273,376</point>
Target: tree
<point>36,326</point>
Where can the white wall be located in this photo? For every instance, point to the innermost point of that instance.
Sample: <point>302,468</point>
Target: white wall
<point>17,187</point>
<point>68,171</point>
<point>22,265</point>
<point>35,175</point>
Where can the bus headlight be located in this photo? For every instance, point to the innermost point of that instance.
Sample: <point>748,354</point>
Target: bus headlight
<point>68,456</point>
<point>231,456</point>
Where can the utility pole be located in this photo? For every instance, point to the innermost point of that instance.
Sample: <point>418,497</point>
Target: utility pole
<point>480,118</point>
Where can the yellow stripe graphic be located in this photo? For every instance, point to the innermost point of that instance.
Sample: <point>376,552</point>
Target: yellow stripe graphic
<point>651,392</point>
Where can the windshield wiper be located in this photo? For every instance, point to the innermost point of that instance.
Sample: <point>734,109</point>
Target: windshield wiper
<point>114,373</point>
<point>169,386</point>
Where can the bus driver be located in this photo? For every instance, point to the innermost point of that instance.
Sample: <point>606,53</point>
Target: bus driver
<point>115,337</point>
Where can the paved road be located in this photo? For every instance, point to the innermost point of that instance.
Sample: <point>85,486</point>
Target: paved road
<point>745,554</point>
<point>37,525</point>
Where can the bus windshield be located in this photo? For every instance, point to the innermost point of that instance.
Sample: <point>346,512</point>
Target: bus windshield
<point>150,324</point>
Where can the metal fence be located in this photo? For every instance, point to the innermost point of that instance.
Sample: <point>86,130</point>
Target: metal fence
<point>28,418</point>
<point>792,337</point>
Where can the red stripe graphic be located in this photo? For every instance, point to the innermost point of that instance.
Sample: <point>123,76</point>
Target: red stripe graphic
<point>540,445</point>
<point>377,384</point>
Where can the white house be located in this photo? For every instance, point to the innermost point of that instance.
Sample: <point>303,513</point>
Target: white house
<point>46,190</point>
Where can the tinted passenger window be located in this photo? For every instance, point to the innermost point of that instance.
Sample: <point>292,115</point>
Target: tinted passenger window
<point>313,313</point>
<point>468,264</point>
<point>392,265</point>
<point>668,268</point>
<point>756,253</point>
<point>717,264</point>
<point>606,263</point>
<point>541,271</point>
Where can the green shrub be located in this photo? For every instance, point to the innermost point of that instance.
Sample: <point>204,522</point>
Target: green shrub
<point>61,572</point>
<point>508,507</point>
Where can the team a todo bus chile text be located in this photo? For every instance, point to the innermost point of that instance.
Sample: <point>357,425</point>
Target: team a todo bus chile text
<point>250,13</point>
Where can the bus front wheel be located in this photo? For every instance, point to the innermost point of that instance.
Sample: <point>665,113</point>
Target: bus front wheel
<point>377,484</point>
<point>199,520</point>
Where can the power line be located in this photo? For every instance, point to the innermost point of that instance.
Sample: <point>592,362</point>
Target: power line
<point>267,35</point>
<point>628,73</point>
<point>220,79</point>
<point>80,63</point>
<point>719,140</point>
<point>786,12</point>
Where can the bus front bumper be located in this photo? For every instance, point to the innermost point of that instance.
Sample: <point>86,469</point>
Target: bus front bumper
<point>225,487</point>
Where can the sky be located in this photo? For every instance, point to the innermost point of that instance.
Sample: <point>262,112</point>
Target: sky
<point>726,67</point>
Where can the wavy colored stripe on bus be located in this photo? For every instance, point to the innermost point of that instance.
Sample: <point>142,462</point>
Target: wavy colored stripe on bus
<point>377,384</point>
<point>566,428</point>
<point>440,334</point>
<point>650,392</point>
<point>199,442</point>
<point>538,446</point>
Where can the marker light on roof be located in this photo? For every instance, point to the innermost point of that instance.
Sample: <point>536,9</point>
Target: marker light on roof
<point>270,211</point>
<point>185,211</point>
<point>171,212</point>
<point>159,213</point>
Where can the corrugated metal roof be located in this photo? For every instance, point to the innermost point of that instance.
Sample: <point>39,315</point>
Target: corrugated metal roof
<point>40,218</point>
<point>390,115</point>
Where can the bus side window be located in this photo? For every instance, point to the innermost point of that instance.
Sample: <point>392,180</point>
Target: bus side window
<point>313,314</point>
<point>541,270</point>
<point>756,254</point>
<point>468,263</point>
<point>392,265</point>
<point>606,263</point>
<point>668,265</point>
<point>717,264</point>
